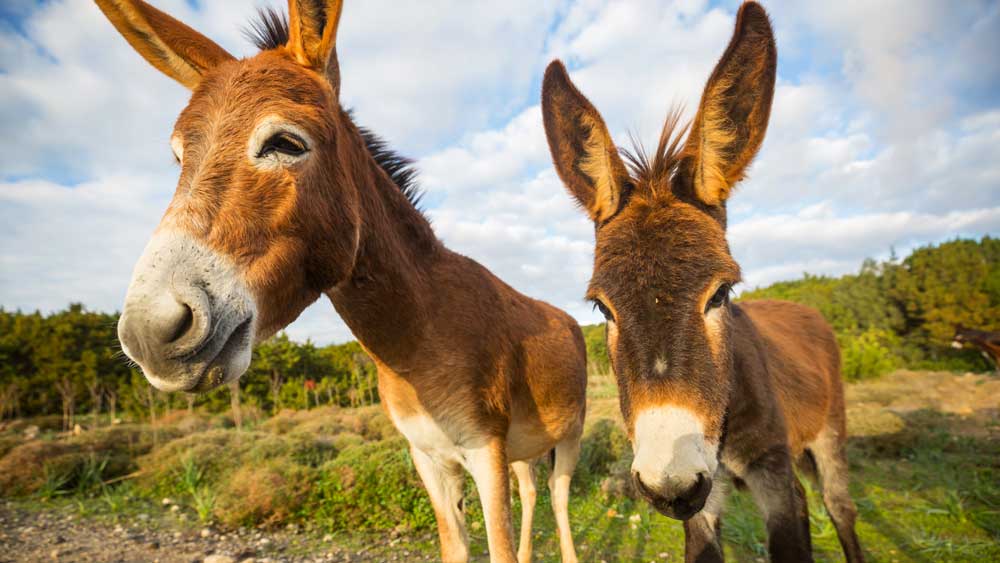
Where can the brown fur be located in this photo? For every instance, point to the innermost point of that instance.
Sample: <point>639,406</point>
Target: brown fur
<point>451,341</point>
<point>987,342</point>
<point>763,377</point>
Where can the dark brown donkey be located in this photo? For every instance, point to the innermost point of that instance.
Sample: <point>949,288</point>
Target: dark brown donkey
<point>710,390</point>
<point>281,199</point>
<point>988,343</point>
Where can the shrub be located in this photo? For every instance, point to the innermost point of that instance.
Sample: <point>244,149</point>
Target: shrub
<point>868,354</point>
<point>602,446</point>
<point>263,494</point>
<point>371,486</point>
<point>98,455</point>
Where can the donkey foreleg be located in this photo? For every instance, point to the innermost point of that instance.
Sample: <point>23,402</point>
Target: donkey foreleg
<point>488,466</point>
<point>703,531</point>
<point>445,483</point>
<point>777,492</point>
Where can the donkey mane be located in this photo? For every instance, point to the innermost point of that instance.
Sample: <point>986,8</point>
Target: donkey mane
<point>269,30</point>
<point>661,165</point>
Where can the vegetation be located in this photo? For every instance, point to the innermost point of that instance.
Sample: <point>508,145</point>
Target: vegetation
<point>892,314</point>
<point>903,313</point>
<point>923,455</point>
<point>69,363</point>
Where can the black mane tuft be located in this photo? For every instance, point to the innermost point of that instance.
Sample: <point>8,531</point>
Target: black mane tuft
<point>399,168</point>
<point>269,30</point>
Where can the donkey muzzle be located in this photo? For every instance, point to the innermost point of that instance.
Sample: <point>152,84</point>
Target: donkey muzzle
<point>188,321</point>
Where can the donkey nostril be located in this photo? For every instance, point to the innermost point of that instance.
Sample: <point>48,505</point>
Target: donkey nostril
<point>183,323</point>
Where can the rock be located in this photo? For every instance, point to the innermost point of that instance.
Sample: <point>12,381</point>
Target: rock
<point>328,538</point>
<point>205,532</point>
<point>264,541</point>
<point>54,554</point>
<point>217,558</point>
<point>175,508</point>
<point>167,501</point>
<point>143,517</point>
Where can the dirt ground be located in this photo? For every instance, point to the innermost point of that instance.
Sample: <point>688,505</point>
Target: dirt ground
<point>61,535</point>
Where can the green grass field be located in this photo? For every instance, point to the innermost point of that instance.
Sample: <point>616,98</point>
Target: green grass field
<point>924,454</point>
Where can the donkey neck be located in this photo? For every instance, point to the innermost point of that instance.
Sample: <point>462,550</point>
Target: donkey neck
<point>384,300</point>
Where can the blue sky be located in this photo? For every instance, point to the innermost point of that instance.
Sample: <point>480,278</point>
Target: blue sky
<point>885,131</point>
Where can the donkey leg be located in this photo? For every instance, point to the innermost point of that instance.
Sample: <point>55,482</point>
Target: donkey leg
<point>703,531</point>
<point>445,485</point>
<point>567,454</point>
<point>525,472</point>
<point>831,465</point>
<point>773,485</point>
<point>488,466</point>
<point>803,502</point>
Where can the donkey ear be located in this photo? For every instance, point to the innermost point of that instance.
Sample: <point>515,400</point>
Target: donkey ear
<point>732,117</point>
<point>312,36</point>
<point>585,157</point>
<point>174,48</point>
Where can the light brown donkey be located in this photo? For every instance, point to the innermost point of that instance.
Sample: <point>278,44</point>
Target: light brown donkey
<point>710,390</point>
<point>281,199</point>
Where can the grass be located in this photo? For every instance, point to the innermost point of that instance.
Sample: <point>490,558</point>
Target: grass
<point>924,455</point>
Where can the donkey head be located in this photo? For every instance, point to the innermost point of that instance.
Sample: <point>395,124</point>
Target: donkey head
<point>264,217</point>
<point>662,269</point>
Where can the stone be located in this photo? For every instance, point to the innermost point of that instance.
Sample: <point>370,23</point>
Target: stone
<point>218,558</point>
<point>205,532</point>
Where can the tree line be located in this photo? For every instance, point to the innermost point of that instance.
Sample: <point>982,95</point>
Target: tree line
<point>69,363</point>
<point>891,314</point>
<point>894,313</point>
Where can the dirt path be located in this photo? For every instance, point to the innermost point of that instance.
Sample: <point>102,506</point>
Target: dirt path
<point>38,535</point>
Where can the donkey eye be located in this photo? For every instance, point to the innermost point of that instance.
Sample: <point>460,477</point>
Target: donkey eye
<point>283,143</point>
<point>598,304</point>
<point>720,298</point>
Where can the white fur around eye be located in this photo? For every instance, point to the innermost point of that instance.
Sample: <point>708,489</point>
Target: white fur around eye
<point>177,145</point>
<point>267,128</point>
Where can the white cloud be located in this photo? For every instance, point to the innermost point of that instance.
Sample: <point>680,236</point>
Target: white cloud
<point>884,132</point>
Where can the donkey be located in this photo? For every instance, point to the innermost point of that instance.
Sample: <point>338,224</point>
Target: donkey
<point>710,391</point>
<point>988,343</point>
<point>282,198</point>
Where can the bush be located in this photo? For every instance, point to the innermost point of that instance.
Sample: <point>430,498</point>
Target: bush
<point>371,486</point>
<point>868,354</point>
<point>71,462</point>
<point>263,494</point>
<point>602,445</point>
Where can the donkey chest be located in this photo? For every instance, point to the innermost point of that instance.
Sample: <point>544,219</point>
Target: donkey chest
<point>438,439</point>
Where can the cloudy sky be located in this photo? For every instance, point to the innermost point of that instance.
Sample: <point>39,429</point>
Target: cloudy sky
<point>885,131</point>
